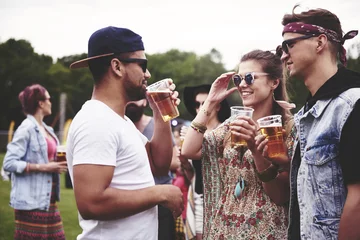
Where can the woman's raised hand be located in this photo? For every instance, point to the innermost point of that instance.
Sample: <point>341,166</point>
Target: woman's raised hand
<point>219,88</point>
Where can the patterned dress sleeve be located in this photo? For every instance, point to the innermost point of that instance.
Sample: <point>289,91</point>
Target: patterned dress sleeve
<point>212,150</point>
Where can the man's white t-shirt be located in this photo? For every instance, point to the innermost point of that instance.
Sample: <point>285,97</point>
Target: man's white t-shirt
<point>98,135</point>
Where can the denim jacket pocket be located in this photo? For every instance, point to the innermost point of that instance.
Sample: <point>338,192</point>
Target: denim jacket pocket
<point>324,180</point>
<point>328,227</point>
<point>320,154</point>
<point>34,144</point>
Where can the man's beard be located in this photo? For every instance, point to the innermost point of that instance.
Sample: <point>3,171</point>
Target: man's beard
<point>134,112</point>
<point>134,92</point>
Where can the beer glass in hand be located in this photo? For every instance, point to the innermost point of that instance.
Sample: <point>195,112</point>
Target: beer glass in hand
<point>271,128</point>
<point>161,94</point>
<point>236,141</point>
<point>61,153</point>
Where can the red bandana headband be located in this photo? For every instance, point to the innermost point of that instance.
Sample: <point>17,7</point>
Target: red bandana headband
<point>310,29</point>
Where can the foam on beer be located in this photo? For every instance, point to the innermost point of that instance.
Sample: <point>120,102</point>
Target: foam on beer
<point>262,125</point>
<point>160,91</point>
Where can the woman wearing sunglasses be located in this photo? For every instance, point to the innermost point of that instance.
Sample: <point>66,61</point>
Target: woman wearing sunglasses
<point>244,193</point>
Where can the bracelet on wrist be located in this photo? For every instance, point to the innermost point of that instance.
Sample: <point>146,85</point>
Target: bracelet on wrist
<point>200,128</point>
<point>268,174</point>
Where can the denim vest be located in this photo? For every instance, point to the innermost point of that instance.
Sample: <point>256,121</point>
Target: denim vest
<point>29,190</point>
<point>319,181</point>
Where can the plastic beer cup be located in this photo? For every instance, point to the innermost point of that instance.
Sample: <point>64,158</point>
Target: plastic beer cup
<point>161,95</point>
<point>236,141</point>
<point>271,128</point>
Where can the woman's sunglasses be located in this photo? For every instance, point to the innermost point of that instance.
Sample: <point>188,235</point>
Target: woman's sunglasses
<point>248,77</point>
<point>142,62</point>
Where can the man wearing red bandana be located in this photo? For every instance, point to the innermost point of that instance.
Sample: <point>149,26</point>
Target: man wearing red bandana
<point>325,179</point>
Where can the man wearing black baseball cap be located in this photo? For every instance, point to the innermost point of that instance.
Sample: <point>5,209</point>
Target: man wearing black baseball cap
<point>111,163</point>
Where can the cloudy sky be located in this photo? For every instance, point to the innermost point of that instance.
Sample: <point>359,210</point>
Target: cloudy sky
<point>234,27</point>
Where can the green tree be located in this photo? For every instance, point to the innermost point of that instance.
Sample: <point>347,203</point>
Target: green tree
<point>186,69</point>
<point>20,66</point>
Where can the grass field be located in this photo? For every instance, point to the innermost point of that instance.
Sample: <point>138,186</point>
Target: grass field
<point>67,207</point>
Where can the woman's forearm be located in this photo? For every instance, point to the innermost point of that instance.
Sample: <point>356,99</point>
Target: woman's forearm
<point>194,137</point>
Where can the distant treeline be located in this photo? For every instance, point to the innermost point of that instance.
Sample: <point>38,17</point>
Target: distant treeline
<point>21,66</point>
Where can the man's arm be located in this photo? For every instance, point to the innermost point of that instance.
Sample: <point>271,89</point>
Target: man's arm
<point>350,218</point>
<point>96,200</point>
<point>350,165</point>
<point>175,161</point>
<point>160,147</point>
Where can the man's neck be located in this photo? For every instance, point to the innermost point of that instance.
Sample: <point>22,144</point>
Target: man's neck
<point>142,123</point>
<point>112,96</point>
<point>319,75</point>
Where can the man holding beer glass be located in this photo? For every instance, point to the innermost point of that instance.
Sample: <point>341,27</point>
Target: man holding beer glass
<point>325,179</point>
<point>244,193</point>
<point>111,163</point>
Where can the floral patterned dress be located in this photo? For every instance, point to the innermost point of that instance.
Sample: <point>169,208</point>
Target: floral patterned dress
<point>252,215</point>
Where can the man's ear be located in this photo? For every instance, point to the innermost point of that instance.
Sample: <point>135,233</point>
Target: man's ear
<point>321,42</point>
<point>116,66</point>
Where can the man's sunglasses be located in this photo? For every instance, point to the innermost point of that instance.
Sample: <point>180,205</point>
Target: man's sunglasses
<point>198,104</point>
<point>248,77</point>
<point>142,62</point>
<point>285,44</point>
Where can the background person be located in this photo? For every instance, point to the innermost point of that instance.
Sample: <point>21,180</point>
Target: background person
<point>30,158</point>
<point>194,98</point>
<point>145,124</point>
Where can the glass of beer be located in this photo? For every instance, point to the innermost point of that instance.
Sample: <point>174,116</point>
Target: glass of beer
<point>61,153</point>
<point>271,128</point>
<point>236,141</point>
<point>161,94</point>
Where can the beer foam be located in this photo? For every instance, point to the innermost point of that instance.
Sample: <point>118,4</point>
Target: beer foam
<point>160,91</point>
<point>277,124</point>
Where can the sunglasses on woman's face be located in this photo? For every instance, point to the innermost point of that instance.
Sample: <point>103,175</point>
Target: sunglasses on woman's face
<point>248,77</point>
<point>142,62</point>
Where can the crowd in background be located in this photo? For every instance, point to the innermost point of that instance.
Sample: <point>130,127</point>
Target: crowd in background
<point>221,176</point>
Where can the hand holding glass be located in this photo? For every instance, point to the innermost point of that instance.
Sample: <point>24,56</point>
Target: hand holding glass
<point>236,141</point>
<point>161,94</point>
<point>271,128</point>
